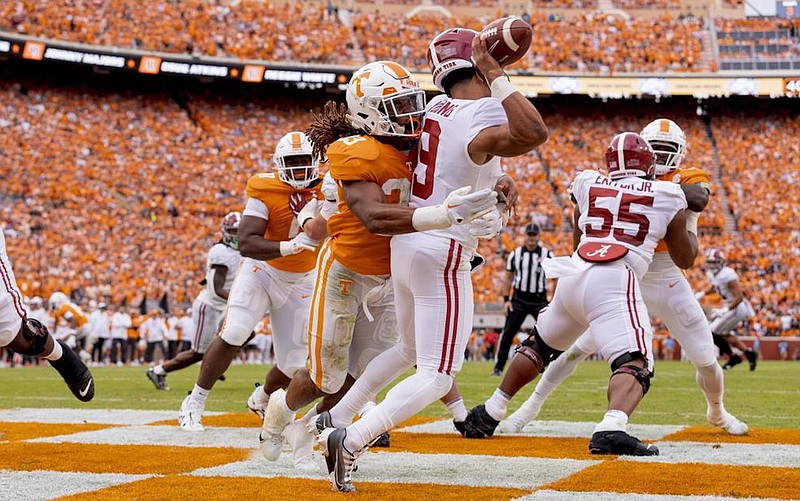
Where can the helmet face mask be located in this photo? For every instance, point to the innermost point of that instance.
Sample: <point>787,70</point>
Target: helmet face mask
<point>629,155</point>
<point>230,229</point>
<point>668,142</point>
<point>295,161</point>
<point>383,99</point>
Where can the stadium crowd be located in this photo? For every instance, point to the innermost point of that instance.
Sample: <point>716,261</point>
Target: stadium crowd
<point>122,193</point>
<point>303,31</point>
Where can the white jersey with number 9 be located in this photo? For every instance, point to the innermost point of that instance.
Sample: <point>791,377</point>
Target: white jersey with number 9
<point>443,161</point>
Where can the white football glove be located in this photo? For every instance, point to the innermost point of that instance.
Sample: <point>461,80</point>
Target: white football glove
<point>700,295</point>
<point>488,225</point>
<point>298,244</point>
<point>308,212</point>
<point>718,312</point>
<point>463,206</point>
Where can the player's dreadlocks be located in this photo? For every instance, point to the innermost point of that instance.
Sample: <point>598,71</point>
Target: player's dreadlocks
<point>326,128</point>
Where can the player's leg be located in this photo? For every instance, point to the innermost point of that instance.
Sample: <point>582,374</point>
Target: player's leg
<point>514,321</point>
<point>721,327</point>
<point>31,338</point>
<point>561,327</point>
<point>247,302</point>
<point>437,276</point>
<point>670,297</point>
<point>557,372</point>
<point>620,324</point>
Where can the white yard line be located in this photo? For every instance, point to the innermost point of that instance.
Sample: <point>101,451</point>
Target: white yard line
<point>37,485</point>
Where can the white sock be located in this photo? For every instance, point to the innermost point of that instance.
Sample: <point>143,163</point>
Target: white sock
<point>403,401</point>
<point>458,409</point>
<point>200,394</point>
<point>711,380</point>
<point>614,420</point>
<point>311,414</point>
<point>159,370</point>
<point>57,352</point>
<point>497,405</point>
<point>288,414</point>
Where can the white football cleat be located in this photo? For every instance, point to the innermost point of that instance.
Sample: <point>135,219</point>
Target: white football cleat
<point>510,425</point>
<point>256,402</point>
<point>190,417</point>
<point>730,423</point>
<point>302,444</point>
<point>271,437</point>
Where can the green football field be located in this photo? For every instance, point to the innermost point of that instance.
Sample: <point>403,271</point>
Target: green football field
<point>766,398</point>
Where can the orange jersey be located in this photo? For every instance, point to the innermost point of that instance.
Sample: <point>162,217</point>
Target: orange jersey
<point>684,175</point>
<point>68,310</point>
<point>282,222</point>
<point>363,158</point>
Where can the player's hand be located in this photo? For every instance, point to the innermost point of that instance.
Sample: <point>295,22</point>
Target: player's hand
<point>508,307</point>
<point>718,312</point>
<point>484,62</point>
<point>463,206</point>
<point>298,244</point>
<point>308,212</point>
<point>488,225</point>
<point>510,195</point>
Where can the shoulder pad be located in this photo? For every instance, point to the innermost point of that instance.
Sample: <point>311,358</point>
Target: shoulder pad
<point>263,183</point>
<point>353,148</point>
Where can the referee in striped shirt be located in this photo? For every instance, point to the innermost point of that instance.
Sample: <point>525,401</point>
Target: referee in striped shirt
<point>529,295</point>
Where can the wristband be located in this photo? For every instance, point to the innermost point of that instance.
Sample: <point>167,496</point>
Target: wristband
<point>506,299</point>
<point>286,248</point>
<point>436,217</point>
<point>691,221</point>
<point>502,88</point>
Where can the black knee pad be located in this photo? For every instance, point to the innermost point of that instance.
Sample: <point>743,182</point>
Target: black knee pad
<point>537,351</point>
<point>36,332</point>
<point>641,374</point>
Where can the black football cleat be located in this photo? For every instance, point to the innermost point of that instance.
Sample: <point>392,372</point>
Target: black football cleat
<point>479,424</point>
<point>75,373</point>
<point>159,381</point>
<point>619,442</point>
<point>752,357</point>
<point>461,427</point>
<point>733,361</point>
<point>381,441</point>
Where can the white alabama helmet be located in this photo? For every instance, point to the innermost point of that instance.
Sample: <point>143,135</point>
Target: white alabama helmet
<point>295,161</point>
<point>384,99</point>
<point>57,300</point>
<point>668,142</point>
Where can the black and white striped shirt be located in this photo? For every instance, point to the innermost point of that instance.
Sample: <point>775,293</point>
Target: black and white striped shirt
<point>529,279</point>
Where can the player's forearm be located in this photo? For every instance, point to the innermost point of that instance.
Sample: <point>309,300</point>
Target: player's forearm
<point>316,228</point>
<point>525,124</point>
<point>388,219</point>
<point>696,196</point>
<point>258,248</point>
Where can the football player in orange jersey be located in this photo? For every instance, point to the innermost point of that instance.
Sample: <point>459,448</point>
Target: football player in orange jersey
<point>352,317</point>
<point>665,291</point>
<point>276,276</point>
<point>28,336</point>
<point>70,321</point>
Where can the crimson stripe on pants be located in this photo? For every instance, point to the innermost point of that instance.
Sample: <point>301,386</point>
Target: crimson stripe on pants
<point>457,305</point>
<point>634,314</point>
<point>11,289</point>
<point>198,332</point>
<point>448,311</point>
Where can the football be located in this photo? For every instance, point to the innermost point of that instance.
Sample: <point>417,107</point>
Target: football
<point>508,39</point>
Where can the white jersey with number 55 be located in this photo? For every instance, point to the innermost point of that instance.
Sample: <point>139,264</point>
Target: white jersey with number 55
<point>632,212</point>
<point>443,164</point>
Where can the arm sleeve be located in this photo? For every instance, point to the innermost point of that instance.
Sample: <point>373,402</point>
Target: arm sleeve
<point>256,207</point>
<point>489,113</point>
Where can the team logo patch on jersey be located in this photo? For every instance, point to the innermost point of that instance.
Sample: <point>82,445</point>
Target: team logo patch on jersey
<point>344,286</point>
<point>598,252</point>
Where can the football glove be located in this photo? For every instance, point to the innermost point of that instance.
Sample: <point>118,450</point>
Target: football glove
<point>488,225</point>
<point>308,212</point>
<point>463,206</point>
<point>298,244</point>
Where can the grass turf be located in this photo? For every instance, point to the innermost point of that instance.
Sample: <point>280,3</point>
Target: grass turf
<point>766,398</point>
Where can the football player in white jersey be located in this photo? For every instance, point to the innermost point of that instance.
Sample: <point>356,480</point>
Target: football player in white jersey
<point>222,264</point>
<point>618,221</point>
<point>481,118</point>
<point>725,281</point>
<point>28,336</point>
<point>665,291</point>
